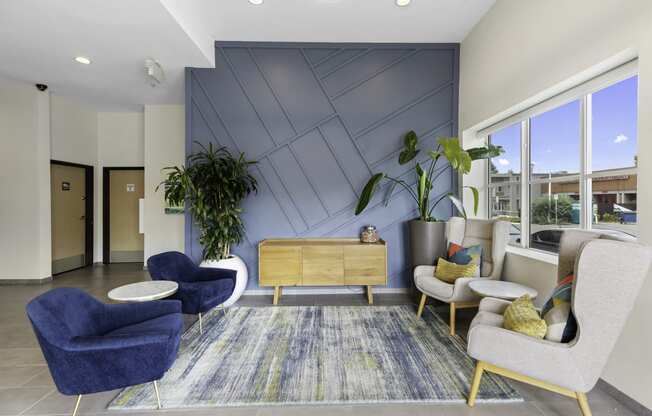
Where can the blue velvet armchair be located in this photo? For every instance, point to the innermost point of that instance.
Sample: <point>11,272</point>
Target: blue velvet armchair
<point>91,347</point>
<point>200,288</point>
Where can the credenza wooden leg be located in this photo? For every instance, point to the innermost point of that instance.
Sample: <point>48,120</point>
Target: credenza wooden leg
<point>370,295</point>
<point>277,294</point>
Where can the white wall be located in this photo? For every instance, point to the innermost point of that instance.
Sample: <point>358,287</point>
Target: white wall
<point>120,142</point>
<point>73,129</point>
<point>164,146</point>
<point>527,48</point>
<point>25,242</point>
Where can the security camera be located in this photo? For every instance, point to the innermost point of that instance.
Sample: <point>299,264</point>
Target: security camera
<point>41,87</point>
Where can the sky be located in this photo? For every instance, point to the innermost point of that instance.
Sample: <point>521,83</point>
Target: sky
<point>555,134</point>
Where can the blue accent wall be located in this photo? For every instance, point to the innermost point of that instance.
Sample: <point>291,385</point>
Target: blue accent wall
<point>320,119</point>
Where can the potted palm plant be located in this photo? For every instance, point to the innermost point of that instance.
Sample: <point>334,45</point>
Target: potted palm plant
<point>213,185</point>
<point>427,240</point>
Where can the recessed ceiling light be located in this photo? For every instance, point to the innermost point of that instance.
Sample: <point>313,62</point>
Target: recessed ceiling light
<point>402,3</point>
<point>83,60</point>
<point>256,2</point>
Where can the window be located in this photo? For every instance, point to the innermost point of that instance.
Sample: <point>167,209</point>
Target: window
<point>613,169</point>
<point>504,176</point>
<point>569,162</point>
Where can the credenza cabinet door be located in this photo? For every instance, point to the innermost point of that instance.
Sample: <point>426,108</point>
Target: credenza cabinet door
<point>323,266</point>
<point>365,265</point>
<point>280,265</point>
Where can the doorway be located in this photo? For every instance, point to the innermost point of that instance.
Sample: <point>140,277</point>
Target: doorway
<point>123,188</point>
<point>71,193</point>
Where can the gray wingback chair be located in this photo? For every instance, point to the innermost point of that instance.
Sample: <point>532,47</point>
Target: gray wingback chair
<point>608,276</point>
<point>492,235</point>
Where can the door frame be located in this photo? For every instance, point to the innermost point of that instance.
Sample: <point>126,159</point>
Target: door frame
<point>88,211</point>
<point>106,204</point>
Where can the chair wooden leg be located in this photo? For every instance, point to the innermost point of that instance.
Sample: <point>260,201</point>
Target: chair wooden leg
<point>422,304</point>
<point>201,327</point>
<point>74,412</point>
<point>452,318</point>
<point>158,398</point>
<point>475,385</point>
<point>584,404</point>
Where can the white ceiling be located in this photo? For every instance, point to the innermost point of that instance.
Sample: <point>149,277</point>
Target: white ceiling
<point>40,38</point>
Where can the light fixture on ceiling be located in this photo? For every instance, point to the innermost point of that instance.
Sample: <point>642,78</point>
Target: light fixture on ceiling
<point>82,60</point>
<point>402,3</point>
<point>154,72</point>
<point>256,2</point>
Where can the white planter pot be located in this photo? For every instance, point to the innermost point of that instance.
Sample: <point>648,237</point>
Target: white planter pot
<point>232,263</point>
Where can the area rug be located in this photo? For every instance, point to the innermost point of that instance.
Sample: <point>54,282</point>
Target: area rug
<point>266,356</point>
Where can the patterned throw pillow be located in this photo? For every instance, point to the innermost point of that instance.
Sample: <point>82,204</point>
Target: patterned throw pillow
<point>449,272</point>
<point>521,316</point>
<point>562,326</point>
<point>465,255</point>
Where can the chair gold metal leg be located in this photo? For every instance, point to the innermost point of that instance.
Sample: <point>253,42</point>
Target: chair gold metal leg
<point>475,385</point>
<point>584,404</point>
<point>452,318</point>
<point>158,398</point>
<point>370,295</point>
<point>422,305</point>
<point>74,412</point>
<point>201,327</point>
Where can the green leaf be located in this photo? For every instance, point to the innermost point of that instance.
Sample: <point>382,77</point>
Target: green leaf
<point>368,192</point>
<point>458,158</point>
<point>476,198</point>
<point>434,155</point>
<point>411,140</point>
<point>406,155</point>
<point>458,204</point>
<point>488,152</point>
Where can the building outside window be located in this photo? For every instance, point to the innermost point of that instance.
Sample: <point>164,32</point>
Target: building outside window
<point>572,164</point>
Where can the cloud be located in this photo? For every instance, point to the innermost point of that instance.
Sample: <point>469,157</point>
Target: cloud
<point>503,162</point>
<point>621,138</point>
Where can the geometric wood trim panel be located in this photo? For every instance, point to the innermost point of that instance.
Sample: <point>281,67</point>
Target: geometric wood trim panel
<point>320,119</point>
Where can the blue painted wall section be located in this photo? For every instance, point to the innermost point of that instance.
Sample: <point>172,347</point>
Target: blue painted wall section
<point>320,119</point>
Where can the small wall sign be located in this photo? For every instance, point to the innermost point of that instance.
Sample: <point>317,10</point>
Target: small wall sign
<point>65,186</point>
<point>131,187</point>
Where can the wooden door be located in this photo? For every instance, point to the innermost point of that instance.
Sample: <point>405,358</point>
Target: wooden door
<point>68,193</point>
<point>279,265</point>
<point>365,265</point>
<point>323,265</point>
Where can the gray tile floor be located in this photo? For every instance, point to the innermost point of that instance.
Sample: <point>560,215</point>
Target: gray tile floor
<point>27,389</point>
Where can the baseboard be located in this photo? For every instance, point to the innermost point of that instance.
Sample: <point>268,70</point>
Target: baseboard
<point>8,282</point>
<point>293,290</point>
<point>627,401</point>
<point>127,256</point>
<point>68,263</point>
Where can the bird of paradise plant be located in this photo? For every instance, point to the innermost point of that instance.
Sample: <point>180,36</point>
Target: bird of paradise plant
<point>450,150</point>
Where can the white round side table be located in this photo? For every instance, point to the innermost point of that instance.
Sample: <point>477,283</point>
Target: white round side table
<point>502,290</point>
<point>144,291</point>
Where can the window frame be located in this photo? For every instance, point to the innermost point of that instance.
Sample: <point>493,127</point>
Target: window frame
<point>583,93</point>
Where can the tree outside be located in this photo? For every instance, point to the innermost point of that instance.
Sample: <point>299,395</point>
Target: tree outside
<point>552,211</point>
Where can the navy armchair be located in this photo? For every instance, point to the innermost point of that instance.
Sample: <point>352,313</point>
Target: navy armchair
<point>200,288</point>
<point>91,347</point>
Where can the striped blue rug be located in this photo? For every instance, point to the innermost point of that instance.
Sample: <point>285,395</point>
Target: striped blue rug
<point>317,355</point>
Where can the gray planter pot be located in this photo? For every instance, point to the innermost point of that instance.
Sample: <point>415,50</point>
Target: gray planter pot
<point>427,241</point>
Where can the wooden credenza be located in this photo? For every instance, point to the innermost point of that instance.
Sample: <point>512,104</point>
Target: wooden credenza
<point>321,262</point>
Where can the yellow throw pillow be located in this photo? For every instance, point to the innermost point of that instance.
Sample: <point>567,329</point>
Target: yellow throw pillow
<point>521,316</point>
<point>448,271</point>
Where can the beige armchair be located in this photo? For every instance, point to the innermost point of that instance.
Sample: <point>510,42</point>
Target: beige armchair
<point>492,235</point>
<point>608,276</point>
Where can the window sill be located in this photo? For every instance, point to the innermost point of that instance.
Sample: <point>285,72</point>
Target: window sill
<point>533,254</point>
